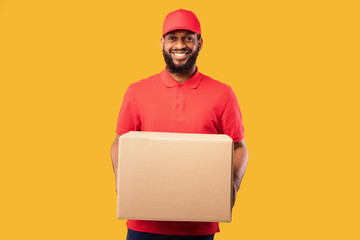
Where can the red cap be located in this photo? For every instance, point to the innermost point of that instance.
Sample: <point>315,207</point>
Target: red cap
<point>181,19</point>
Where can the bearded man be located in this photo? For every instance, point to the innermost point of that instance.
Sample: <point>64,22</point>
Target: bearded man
<point>181,99</point>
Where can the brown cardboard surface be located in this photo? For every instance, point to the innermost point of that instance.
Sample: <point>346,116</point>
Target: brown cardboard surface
<point>175,177</point>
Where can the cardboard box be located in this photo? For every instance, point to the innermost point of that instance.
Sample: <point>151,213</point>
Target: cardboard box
<point>175,177</point>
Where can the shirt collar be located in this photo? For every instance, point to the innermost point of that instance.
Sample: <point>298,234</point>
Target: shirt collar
<point>192,82</point>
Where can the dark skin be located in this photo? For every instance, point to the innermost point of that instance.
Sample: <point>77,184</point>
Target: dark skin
<point>174,43</point>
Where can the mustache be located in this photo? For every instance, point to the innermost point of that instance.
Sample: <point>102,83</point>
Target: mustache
<point>185,49</point>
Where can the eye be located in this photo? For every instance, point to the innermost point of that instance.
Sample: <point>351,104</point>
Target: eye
<point>189,39</point>
<point>171,38</point>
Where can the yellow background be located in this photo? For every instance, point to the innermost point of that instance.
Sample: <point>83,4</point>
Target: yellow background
<point>294,66</point>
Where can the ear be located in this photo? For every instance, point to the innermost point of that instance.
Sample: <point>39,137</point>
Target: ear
<point>200,43</point>
<point>162,42</point>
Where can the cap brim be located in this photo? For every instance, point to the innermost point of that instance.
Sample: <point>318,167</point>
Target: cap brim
<point>180,28</point>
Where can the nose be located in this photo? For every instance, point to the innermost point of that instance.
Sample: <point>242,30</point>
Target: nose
<point>179,44</point>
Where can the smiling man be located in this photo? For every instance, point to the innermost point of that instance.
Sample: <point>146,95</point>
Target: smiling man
<point>181,99</point>
<point>180,56</point>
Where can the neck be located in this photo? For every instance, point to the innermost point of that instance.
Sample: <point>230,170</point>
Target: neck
<point>182,77</point>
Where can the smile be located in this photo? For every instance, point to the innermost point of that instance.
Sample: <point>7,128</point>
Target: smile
<point>180,55</point>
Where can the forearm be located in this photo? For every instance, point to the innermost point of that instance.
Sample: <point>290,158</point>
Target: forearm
<point>114,156</point>
<point>240,160</point>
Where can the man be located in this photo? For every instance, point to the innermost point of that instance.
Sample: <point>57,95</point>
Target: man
<point>180,99</point>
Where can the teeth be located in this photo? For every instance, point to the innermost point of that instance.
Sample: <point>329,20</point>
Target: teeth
<point>180,54</point>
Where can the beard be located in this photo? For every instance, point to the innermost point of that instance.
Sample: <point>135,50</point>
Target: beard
<point>186,67</point>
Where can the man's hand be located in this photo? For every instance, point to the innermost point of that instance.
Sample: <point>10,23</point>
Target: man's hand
<point>114,157</point>
<point>240,162</point>
<point>234,194</point>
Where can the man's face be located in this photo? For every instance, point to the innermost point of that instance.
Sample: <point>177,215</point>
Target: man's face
<point>180,50</point>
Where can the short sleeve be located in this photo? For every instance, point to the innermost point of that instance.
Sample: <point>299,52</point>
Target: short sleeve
<point>129,118</point>
<point>231,119</point>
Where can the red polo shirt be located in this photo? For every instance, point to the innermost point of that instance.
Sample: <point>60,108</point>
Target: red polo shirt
<point>198,105</point>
